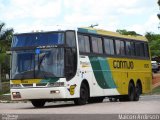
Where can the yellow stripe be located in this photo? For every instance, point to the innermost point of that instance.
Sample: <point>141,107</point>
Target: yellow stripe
<point>26,81</point>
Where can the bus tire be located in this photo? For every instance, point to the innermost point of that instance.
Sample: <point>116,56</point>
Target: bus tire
<point>113,99</point>
<point>131,92</point>
<point>95,100</point>
<point>84,95</point>
<point>99,99</point>
<point>38,103</point>
<point>138,91</point>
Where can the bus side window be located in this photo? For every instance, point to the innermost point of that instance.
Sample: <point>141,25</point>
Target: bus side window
<point>128,48</point>
<point>109,46</point>
<point>83,42</point>
<point>132,49</point>
<point>138,49</point>
<point>70,39</point>
<point>97,45</point>
<point>142,54</point>
<point>120,48</point>
<point>146,50</point>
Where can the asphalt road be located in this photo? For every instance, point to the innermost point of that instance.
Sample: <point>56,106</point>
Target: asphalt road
<point>149,104</point>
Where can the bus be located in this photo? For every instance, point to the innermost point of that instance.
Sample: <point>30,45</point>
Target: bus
<point>83,65</point>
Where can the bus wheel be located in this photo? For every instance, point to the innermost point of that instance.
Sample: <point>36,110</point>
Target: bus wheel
<point>137,92</point>
<point>84,95</point>
<point>38,103</point>
<point>113,99</point>
<point>131,92</point>
<point>95,100</point>
<point>99,99</point>
<point>123,99</point>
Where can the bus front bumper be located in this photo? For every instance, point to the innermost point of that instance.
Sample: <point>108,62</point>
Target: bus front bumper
<point>38,93</point>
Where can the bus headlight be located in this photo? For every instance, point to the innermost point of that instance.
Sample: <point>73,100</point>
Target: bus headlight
<point>56,84</point>
<point>15,86</point>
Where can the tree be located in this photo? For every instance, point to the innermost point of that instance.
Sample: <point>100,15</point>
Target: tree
<point>125,32</point>
<point>5,42</point>
<point>5,38</point>
<point>158,13</point>
<point>154,43</point>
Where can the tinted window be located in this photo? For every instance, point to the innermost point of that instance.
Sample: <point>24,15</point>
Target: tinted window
<point>70,39</point>
<point>97,45</point>
<point>109,46</point>
<point>137,46</point>
<point>128,48</point>
<point>37,39</point>
<point>120,47</point>
<point>142,49</point>
<point>132,49</point>
<point>84,44</point>
<point>146,51</point>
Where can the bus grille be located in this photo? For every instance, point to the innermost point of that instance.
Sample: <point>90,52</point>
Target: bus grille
<point>37,85</point>
<point>27,85</point>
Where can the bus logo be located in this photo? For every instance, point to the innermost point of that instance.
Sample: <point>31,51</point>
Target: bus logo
<point>123,64</point>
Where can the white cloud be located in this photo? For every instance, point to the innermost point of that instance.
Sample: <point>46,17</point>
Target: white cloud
<point>131,11</point>
<point>19,9</point>
<point>109,14</point>
<point>151,25</point>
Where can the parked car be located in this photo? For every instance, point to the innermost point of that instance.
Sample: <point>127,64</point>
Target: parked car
<point>155,67</point>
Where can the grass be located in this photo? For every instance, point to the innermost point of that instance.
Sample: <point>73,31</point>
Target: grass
<point>156,90</point>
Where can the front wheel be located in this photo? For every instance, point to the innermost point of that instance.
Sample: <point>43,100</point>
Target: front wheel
<point>84,95</point>
<point>38,103</point>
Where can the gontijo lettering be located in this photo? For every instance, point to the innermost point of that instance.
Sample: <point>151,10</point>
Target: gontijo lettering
<point>123,64</point>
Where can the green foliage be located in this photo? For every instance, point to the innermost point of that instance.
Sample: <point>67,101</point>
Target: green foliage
<point>156,90</point>
<point>125,32</point>
<point>159,6</point>
<point>5,38</point>
<point>154,43</point>
<point>159,2</point>
<point>5,43</point>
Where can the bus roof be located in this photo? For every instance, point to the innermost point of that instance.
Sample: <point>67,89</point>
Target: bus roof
<point>109,33</point>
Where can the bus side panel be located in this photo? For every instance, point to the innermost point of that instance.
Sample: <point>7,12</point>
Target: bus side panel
<point>124,70</point>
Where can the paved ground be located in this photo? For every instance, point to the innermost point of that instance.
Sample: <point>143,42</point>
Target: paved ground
<point>147,104</point>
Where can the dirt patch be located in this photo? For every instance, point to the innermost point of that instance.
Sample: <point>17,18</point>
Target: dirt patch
<point>5,97</point>
<point>156,80</point>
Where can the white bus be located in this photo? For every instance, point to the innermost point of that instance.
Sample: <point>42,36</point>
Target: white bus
<point>84,65</point>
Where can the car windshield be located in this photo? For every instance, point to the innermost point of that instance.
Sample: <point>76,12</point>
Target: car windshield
<point>38,39</point>
<point>39,63</point>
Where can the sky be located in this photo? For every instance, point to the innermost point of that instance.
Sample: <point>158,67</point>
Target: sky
<point>47,15</point>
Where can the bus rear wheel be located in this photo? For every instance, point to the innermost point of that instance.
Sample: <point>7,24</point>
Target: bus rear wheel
<point>131,92</point>
<point>84,95</point>
<point>138,91</point>
<point>38,103</point>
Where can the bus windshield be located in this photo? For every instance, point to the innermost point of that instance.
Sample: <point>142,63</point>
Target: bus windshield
<point>39,63</point>
<point>38,39</point>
